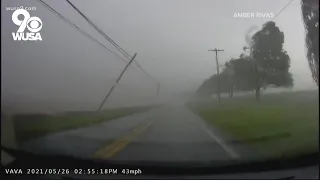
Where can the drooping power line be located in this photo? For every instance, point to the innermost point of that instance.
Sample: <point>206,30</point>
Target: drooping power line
<point>97,28</point>
<point>121,50</point>
<point>79,29</point>
<point>282,9</point>
<point>96,41</point>
<point>88,35</point>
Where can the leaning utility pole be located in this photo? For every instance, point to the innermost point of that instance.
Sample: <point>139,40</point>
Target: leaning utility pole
<point>216,50</point>
<point>104,100</point>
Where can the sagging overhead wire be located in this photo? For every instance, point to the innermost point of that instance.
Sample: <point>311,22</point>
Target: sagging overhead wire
<point>121,50</point>
<point>79,29</point>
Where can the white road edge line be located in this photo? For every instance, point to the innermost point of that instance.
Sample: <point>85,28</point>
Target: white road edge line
<point>221,143</point>
<point>231,152</point>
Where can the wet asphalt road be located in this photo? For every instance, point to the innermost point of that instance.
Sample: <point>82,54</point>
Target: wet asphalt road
<point>168,133</point>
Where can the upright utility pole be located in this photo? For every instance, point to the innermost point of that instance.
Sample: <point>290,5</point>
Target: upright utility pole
<point>120,76</point>
<point>218,72</point>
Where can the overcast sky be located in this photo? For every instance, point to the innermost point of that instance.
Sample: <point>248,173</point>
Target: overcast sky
<point>68,71</point>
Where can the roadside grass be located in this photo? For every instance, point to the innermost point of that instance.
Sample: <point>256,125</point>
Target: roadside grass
<point>282,125</point>
<point>29,126</point>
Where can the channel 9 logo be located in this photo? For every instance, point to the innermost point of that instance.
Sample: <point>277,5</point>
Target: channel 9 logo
<point>33,24</point>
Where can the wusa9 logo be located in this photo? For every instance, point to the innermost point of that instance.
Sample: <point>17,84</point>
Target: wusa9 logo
<point>33,24</point>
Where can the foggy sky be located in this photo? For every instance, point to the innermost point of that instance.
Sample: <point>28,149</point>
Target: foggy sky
<point>172,37</point>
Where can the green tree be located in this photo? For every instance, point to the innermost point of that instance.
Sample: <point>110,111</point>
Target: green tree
<point>242,75</point>
<point>210,85</point>
<point>269,62</point>
<point>310,15</point>
<point>266,65</point>
<point>228,79</point>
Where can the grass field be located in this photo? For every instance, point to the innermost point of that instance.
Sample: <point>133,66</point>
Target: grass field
<point>284,124</point>
<point>35,125</point>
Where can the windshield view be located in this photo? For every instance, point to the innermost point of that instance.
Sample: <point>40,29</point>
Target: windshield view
<point>162,81</point>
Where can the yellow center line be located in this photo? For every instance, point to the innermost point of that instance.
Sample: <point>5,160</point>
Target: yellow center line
<point>115,147</point>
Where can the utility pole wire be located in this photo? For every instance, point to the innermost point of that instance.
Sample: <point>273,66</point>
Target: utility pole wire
<point>90,37</point>
<point>282,9</point>
<point>140,67</point>
<point>97,28</point>
<point>79,29</point>
<point>122,51</point>
<point>218,73</point>
<point>100,31</point>
<point>85,33</point>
